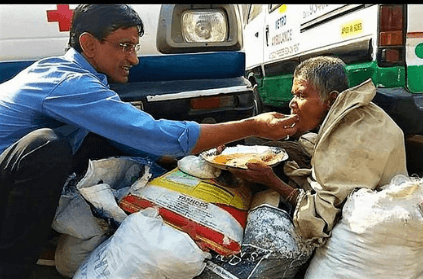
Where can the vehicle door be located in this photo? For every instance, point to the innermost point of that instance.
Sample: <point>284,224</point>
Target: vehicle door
<point>414,48</point>
<point>254,34</point>
<point>281,42</point>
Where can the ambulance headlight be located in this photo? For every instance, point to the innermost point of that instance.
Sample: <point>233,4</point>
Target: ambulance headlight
<point>188,28</point>
<point>204,26</point>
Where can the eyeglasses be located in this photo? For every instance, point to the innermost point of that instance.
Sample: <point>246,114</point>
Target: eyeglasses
<point>127,48</point>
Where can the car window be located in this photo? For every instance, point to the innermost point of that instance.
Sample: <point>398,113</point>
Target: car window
<point>273,7</point>
<point>254,11</point>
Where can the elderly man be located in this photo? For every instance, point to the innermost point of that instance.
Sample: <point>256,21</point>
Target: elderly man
<point>357,145</point>
<point>48,109</point>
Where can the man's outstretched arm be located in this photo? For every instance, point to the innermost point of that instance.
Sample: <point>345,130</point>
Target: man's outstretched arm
<point>271,125</point>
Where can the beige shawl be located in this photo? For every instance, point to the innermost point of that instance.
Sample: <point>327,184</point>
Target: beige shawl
<point>358,146</point>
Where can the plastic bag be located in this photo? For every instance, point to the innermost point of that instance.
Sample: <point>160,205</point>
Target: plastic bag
<point>145,247</point>
<point>198,167</point>
<point>380,235</point>
<point>101,197</point>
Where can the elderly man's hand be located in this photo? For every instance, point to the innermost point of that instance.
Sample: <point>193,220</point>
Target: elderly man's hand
<point>258,172</point>
<point>274,125</point>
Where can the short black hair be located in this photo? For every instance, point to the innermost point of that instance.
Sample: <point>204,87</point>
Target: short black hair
<point>100,20</point>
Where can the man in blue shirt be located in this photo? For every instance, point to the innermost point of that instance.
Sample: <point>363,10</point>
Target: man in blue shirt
<point>48,109</point>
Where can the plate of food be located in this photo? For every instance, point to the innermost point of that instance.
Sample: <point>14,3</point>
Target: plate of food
<point>238,156</point>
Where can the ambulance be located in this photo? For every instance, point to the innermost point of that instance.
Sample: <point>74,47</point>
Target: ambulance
<point>383,42</point>
<point>191,61</point>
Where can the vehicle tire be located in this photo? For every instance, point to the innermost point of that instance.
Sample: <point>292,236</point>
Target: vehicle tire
<point>258,103</point>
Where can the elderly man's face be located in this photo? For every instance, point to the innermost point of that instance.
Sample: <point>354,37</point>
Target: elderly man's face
<point>111,58</point>
<point>307,105</point>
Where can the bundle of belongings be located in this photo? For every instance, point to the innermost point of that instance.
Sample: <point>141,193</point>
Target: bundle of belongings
<point>128,218</point>
<point>139,221</point>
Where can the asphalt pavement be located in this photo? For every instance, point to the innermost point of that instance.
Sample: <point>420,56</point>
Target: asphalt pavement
<point>46,272</point>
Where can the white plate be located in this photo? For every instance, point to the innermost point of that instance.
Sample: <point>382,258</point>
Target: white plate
<point>242,154</point>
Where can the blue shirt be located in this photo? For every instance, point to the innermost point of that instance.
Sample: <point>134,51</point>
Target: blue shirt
<point>67,94</point>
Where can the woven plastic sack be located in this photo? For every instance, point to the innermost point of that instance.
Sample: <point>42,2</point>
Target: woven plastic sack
<point>271,249</point>
<point>379,236</point>
<point>213,214</point>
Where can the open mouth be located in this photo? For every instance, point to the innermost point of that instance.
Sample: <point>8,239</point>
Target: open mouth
<point>126,69</point>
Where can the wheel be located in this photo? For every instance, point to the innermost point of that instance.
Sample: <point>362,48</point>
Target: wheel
<point>258,103</point>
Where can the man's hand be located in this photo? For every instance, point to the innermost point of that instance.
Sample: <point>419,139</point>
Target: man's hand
<point>275,126</point>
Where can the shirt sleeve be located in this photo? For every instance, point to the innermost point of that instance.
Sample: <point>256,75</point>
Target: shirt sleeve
<point>83,101</point>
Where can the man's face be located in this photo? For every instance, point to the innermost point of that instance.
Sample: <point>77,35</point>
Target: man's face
<point>111,60</point>
<point>307,105</point>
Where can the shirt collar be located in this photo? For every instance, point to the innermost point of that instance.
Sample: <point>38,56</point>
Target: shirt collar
<point>75,56</point>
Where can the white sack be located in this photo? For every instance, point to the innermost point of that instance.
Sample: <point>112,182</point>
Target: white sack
<point>379,236</point>
<point>145,247</point>
<point>74,217</point>
<point>72,251</point>
<point>118,172</point>
<point>81,232</point>
<point>105,182</point>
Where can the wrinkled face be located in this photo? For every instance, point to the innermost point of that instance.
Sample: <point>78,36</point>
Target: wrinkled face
<point>112,60</point>
<point>307,104</point>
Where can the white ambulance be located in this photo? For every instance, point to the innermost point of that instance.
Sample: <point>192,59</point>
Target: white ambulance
<point>191,58</point>
<point>383,42</point>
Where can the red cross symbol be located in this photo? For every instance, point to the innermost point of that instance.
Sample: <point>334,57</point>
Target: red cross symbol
<point>63,15</point>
